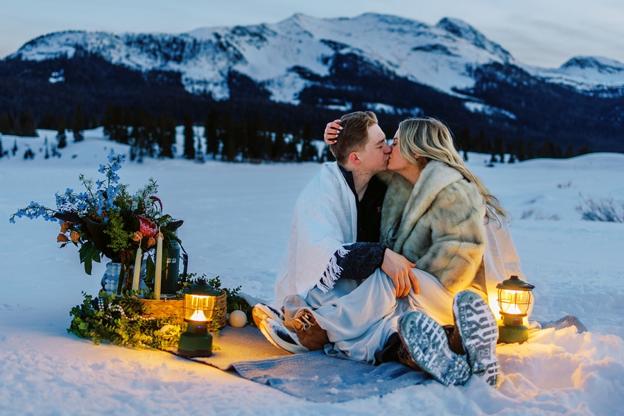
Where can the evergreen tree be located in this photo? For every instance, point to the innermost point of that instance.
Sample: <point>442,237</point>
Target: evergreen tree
<point>464,141</point>
<point>511,151</point>
<point>499,148</point>
<point>569,152</point>
<point>308,150</point>
<point>558,152</point>
<point>199,152</point>
<point>61,136</point>
<point>47,154</point>
<point>585,149</point>
<point>245,137</point>
<point>27,124</point>
<point>279,145</point>
<point>14,149</point>
<point>108,122</point>
<point>482,144</point>
<point>265,140</point>
<point>189,138</point>
<point>48,121</point>
<point>211,126</point>
<point>79,124</point>
<point>5,126</point>
<point>530,154</point>
<point>165,136</point>
<point>521,151</point>
<point>150,142</point>
<point>137,135</point>
<point>228,152</point>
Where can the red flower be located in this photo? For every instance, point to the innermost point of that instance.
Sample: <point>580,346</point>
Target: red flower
<point>148,228</point>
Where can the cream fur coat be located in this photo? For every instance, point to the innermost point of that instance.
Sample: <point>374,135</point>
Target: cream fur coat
<point>437,224</point>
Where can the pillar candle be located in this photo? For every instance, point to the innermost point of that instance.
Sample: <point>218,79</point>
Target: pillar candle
<point>137,269</point>
<point>158,271</point>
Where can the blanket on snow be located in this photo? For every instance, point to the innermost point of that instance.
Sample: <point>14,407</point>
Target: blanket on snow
<point>325,219</point>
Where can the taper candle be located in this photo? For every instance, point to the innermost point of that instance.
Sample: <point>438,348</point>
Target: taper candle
<point>158,271</point>
<point>137,269</point>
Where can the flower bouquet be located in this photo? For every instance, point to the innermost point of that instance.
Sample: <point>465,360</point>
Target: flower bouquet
<point>105,220</point>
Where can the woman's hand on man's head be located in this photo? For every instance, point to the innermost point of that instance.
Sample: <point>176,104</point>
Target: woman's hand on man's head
<point>332,130</point>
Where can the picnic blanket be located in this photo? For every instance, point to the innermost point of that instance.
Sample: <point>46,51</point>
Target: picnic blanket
<point>314,376</point>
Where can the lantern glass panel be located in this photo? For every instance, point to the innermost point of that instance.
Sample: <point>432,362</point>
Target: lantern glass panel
<point>198,308</point>
<point>514,302</point>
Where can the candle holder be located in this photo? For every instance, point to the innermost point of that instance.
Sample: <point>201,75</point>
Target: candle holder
<point>514,300</point>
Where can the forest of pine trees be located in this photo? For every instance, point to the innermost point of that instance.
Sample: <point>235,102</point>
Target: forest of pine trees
<point>245,139</point>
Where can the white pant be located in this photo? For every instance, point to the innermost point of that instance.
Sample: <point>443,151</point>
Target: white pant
<point>360,318</point>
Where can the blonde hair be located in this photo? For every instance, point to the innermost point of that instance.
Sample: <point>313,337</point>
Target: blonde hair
<point>430,138</point>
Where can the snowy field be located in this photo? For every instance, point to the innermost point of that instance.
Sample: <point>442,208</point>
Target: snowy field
<point>237,218</point>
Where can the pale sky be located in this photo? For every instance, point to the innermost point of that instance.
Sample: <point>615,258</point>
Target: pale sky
<point>536,32</point>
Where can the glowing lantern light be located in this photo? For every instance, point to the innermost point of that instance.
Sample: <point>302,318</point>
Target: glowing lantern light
<point>514,300</point>
<point>199,305</point>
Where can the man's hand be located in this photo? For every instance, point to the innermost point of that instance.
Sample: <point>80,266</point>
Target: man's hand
<point>332,130</point>
<point>399,270</point>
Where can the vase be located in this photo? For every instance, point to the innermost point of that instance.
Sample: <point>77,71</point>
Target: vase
<point>110,280</point>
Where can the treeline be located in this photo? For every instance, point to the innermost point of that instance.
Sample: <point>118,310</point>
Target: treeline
<point>517,150</point>
<point>26,125</point>
<point>238,136</point>
<point>224,137</point>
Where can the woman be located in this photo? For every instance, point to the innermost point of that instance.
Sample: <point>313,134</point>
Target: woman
<point>433,215</point>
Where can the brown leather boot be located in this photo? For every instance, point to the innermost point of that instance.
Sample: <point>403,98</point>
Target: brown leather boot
<point>454,339</point>
<point>310,334</point>
<point>405,358</point>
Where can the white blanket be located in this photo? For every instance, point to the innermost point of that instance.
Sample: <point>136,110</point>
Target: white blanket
<point>325,220</point>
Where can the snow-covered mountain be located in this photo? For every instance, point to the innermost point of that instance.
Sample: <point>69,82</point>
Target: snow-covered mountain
<point>286,57</point>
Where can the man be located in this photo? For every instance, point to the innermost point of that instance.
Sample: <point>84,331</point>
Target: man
<point>338,285</point>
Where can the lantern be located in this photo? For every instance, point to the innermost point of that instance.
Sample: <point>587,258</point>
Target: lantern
<point>514,300</point>
<point>199,305</point>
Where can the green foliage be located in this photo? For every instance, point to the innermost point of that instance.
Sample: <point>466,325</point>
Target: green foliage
<point>120,238</point>
<point>89,253</point>
<point>118,320</point>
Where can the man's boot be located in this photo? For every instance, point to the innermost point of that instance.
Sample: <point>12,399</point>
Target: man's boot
<point>310,334</point>
<point>425,346</point>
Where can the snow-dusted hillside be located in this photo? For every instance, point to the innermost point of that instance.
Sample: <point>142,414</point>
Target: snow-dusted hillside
<point>288,56</point>
<point>237,218</point>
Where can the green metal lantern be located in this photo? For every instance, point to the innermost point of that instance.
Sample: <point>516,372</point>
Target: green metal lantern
<point>199,306</point>
<point>514,300</point>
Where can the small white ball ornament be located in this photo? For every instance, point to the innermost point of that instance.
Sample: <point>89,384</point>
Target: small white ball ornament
<point>237,319</point>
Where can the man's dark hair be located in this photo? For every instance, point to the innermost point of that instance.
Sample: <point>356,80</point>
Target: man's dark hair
<point>354,134</point>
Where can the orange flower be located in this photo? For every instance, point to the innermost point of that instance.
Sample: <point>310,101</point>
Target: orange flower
<point>65,226</point>
<point>61,238</point>
<point>151,241</point>
<point>138,236</point>
<point>74,236</point>
<point>161,236</point>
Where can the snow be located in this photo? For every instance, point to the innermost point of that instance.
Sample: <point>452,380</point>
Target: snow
<point>476,107</point>
<point>267,52</point>
<point>237,218</point>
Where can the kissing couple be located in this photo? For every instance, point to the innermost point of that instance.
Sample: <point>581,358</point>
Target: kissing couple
<point>385,255</point>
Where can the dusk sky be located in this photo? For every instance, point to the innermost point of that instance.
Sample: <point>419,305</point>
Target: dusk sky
<point>537,32</point>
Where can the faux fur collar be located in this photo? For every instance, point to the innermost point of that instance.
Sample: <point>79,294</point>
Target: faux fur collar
<point>408,205</point>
